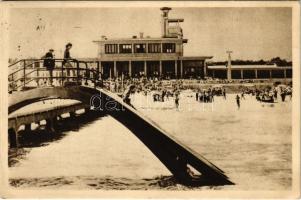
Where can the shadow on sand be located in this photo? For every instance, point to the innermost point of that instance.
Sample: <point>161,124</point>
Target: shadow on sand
<point>42,137</point>
<point>107,183</point>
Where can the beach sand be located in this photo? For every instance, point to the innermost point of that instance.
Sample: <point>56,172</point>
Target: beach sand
<point>252,145</point>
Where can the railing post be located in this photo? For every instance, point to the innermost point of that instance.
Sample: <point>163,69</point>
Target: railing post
<point>97,77</point>
<point>86,82</point>
<point>62,75</point>
<point>77,68</point>
<point>24,72</point>
<point>38,79</point>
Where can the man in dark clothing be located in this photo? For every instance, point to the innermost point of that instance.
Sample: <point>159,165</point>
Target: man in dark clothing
<point>238,101</point>
<point>67,57</point>
<point>177,99</point>
<point>49,63</point>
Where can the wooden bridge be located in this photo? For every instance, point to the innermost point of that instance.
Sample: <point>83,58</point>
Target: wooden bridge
<point>179,159</point>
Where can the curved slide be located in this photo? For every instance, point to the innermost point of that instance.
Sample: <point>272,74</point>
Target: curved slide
<point>178,158</point>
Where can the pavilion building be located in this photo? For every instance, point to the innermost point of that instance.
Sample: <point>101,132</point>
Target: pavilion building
<point>152,57</point>
<point>164,57</point>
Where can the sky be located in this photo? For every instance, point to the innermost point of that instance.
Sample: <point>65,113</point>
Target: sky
<point>251,33</point>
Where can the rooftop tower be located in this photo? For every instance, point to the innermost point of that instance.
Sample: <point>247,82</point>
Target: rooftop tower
<point>168,30</point>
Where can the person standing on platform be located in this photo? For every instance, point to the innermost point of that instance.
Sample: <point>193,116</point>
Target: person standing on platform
<point>224,93</point>
<point>238,101</point>
<point>49,63</point>
<point>67,58</point>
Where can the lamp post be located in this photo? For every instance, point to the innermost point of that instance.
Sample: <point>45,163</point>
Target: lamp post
<point>229,65</point>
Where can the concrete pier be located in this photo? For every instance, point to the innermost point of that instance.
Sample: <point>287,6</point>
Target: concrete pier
<point>27,127</point>
<point>72,114</point>
<point>13,138</point>
<point>50,115</point>
<point>51,124</point>
<point>87,110</point>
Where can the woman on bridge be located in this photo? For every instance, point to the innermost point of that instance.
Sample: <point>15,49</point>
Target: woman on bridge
<point>67,58</point>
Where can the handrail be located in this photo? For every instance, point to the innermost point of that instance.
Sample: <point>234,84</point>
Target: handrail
<point>38,61</point>
<point>41,59</point>
<point>57,69</point>
<point>14,63</point>
<point>23,68</point>
<point>96,74</point>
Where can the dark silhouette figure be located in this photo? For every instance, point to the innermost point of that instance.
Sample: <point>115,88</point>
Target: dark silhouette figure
<point>49,63</point>
<point>238,101</point>
<point>282,94</point>
<point>224,93</point>
<point>67,58</point>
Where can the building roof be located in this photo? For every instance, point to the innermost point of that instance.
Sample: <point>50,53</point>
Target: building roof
<point>144,39</point>
<point>149,58</point>
<point>249,67</point>
<point>195,57</point>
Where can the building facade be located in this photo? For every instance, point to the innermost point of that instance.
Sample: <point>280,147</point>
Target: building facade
<point>152,57</point>
<point>164,57</point>
<point>250,72</point>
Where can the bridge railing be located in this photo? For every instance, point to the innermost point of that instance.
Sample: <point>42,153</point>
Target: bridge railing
<point>28,73</point>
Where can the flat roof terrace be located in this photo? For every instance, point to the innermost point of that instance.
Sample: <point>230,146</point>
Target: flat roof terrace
<point>246,67</point>
<point>148,58</point>
<point>144,39</point>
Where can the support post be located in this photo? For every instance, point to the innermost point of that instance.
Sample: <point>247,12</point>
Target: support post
<point>78,72</point>
<point>37,79</point>
<point>176,68</point>
<point>229,66</point>
<point>13,138</point>
<point>160,68</point>
<point>24,73</point>
<point>256,75</point>
<point>27,127</point>
<point>87,74</point>
<point>115,69</point>
<point>72,114</point>
<point>97,75</point>
<point>284,71</point>
<point>241,74</point>
<point>130,68</point>
<point>181,68</point>
<point>270,73</point>
<point>51,124</point>
<point>101,67</point>
<point>205,69</point>
<point>62,74</point>
<point>145,68</point>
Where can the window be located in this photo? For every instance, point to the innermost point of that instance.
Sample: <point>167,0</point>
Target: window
<point>154,48</point>
<point>125,48</point>
<point>111,48</point>
<point>169,47</point>
<point>139,48</point>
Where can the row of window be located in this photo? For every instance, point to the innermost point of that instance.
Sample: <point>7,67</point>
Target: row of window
<point>140,48</point>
